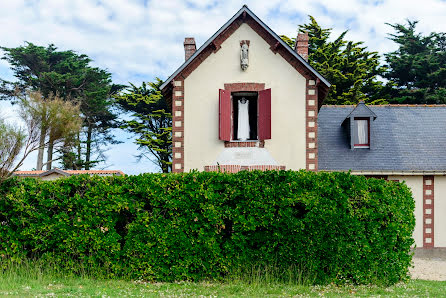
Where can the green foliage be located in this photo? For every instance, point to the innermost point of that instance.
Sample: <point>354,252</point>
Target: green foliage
<point>348,66</point>
<point>334,227</point>
<point>418,67</point>
<point>151,121</point>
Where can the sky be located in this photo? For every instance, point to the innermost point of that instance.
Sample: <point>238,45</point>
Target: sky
<point>138,40</point>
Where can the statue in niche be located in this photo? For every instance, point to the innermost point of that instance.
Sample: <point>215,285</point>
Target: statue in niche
<point>244,59</point>
<point>243,119</point>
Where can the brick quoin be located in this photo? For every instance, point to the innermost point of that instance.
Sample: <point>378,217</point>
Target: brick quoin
<point>177,162</point>
<point>311,111</point>
<point>428,217</point>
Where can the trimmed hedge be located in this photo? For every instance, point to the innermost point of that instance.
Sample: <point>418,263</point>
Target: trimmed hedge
<point>336,226</point>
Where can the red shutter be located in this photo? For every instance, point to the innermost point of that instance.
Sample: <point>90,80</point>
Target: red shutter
<point>264,114</point>
<point>225,123</point>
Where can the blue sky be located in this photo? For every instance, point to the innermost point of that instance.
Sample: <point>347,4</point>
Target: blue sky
<point>137,40</point>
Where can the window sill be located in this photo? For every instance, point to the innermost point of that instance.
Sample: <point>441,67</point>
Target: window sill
<point>248,143</point>
<point>361,147</point>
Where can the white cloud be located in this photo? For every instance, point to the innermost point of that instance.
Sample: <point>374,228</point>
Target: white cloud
<point>137,41</point>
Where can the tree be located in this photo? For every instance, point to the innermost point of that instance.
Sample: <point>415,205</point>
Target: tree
<point>55,121</point>
<point>12,140</point>
<point>417,68</point>
<point>151,122</point>
<point>70,76</point>
<point>100,116</point>
<point>349,67</point>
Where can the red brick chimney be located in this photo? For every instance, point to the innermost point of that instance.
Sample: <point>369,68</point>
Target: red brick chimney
<point>189,47</point>
<point>302,45</point>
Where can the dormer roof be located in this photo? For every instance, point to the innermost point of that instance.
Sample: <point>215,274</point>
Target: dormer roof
<point>361,110</point>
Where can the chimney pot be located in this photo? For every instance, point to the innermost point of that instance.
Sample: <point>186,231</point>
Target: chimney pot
<point>189,47</point>
<point>302,45</point>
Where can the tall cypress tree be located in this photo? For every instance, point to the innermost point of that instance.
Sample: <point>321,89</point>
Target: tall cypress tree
<point>351,69</point>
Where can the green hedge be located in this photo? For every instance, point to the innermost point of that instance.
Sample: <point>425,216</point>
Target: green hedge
<point>335,226</point>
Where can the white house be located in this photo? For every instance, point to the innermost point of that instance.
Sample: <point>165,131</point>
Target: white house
<point>246,100</point>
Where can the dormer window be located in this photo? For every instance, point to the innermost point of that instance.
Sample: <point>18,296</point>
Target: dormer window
<point>358,127</point>
<point>361,132</point>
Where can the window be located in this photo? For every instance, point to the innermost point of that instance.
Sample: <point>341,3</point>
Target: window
<point>245,116</point>
<point>257,115</point>
<point>362,132</point>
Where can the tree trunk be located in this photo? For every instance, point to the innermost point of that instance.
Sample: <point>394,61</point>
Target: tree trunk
<point>41,151</point>
<point>78,160</point>
<point>50,155</point>
<point>88,150</point>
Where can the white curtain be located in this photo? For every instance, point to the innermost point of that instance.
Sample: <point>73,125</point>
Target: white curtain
<point>362,131</point>
<point>243,120</point>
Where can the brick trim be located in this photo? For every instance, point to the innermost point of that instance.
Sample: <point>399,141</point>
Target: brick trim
<point>428,212</point>
<point>178,126</point>
<point>259,144</point>
<point>266,168</point>
<point>311,110</point>
<point>237,87</point>
<point>223,168</point>
<point>238,168</point>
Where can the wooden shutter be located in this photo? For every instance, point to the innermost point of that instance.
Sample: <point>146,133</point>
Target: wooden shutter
<point>225,121</point>
<point>264,114</point>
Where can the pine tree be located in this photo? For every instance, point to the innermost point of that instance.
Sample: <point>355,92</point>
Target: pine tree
<point>151,122</point>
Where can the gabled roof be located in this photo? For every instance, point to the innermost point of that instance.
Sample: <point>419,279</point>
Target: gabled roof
<point>405,139</point>
<point>245,10</point>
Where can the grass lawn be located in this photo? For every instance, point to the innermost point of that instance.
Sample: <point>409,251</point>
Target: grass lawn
<point>19,286</point>
<point>42,279</point>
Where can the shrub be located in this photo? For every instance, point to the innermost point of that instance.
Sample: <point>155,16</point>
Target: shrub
<point>336,227</point>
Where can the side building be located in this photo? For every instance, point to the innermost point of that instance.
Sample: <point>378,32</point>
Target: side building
<point>393,142</point>
<point>58,173</point>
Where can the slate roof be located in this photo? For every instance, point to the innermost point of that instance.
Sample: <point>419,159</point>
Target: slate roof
<point>404,138</point>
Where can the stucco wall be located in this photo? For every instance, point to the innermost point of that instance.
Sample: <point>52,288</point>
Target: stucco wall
<point>201,143</point>
<point>416,185</point>
<point>440,211</point>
